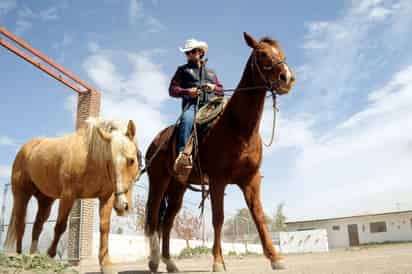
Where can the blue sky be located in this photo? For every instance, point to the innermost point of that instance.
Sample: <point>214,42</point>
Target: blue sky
<point>343,141</point>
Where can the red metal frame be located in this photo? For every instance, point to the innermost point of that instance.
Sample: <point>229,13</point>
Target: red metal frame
<point>76,84</point>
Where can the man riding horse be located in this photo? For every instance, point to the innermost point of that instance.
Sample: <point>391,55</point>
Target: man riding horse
<point>196,85</point>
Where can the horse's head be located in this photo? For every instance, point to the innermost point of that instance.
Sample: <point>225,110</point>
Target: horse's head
<point>126,165</point>
<point>269,65</point>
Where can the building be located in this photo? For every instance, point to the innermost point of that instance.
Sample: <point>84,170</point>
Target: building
<point>361,229</point>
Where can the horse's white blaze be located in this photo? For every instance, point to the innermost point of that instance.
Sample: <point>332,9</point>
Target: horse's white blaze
<point>121,200</point>
<point>288,72</point>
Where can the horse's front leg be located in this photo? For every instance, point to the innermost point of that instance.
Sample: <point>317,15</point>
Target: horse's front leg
<point>66,204</point>
<point>251,191</point>
<point>217,191</point>
<point>105,210</point>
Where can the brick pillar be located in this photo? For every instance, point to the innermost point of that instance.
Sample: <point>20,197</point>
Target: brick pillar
<point>82,215</point>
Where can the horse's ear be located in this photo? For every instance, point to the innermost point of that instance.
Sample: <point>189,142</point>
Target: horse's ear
<point>131,130</point>
<point>250,40</point>
<point>104,135</point>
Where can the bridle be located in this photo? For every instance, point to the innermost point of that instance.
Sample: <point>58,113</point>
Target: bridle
<point>268,84</point>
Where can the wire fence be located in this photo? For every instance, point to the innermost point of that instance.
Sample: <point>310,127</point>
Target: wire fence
<point>235,229</point>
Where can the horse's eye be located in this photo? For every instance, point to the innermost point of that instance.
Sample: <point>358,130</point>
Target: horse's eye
<point>130,161</point>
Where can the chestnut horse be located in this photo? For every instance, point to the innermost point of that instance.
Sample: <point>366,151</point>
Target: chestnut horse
<point>230,153</point>
<point>98,161</point>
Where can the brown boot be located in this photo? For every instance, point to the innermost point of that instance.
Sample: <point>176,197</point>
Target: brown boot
<point>182,167</point>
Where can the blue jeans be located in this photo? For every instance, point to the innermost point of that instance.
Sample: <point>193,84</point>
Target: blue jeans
<point>185,127</point>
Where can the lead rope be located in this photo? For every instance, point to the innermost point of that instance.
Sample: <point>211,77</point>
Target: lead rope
<point>275,110</point>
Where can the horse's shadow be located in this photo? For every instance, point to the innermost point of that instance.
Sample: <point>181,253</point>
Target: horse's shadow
<point>148,272</point>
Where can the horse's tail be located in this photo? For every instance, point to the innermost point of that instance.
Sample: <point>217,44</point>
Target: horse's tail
<point>154,225</point>
<point>22,191</point>
<point>12,230</point>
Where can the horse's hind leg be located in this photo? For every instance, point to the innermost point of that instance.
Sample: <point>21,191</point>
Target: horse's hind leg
<point>157,188</point>
<point>21,200</point>
<point>45,205</point>
<point>66,204</point>
<point>175,194</point>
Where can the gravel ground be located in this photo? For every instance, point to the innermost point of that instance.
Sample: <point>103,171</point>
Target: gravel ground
<point>393,258</point>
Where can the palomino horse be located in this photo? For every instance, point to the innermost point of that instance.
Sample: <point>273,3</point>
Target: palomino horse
<point>98,161</point>
<point>230,153</point>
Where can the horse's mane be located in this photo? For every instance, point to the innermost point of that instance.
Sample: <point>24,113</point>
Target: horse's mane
<point>99,150</point>
<point>270,41</point>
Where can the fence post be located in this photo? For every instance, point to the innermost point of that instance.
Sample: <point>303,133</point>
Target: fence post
<point>80,245</point>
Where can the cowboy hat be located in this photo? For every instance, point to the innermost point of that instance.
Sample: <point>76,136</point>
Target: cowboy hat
<point>194,44</point>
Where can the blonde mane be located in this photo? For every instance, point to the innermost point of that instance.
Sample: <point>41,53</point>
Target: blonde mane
<point>99,150</point>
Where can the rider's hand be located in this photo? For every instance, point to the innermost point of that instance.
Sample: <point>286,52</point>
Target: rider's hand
<point>209,87</point>
<point>193,92</point>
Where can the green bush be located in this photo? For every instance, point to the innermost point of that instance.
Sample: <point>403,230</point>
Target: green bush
<point>36,263</point>
<point>232,253</point>
<point>189,252</point>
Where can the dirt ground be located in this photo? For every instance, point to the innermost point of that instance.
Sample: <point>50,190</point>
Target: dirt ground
<point>393,258</point>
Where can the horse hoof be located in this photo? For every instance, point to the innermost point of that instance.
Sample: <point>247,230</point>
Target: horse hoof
<point>51,253</point>
<point>172,269</point>
<point>218,267</point>
<point>170,266</point>
<point>276,265</point>
<point>33,251</point>
<point>153,266</point>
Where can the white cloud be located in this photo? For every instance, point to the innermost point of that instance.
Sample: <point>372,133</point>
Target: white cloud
<point>5,172</point>
<point>136,14</point>
<point>7,6</point>
<point>6,141</point>
<point>24,20</point>
<point>49,14</point>
<point>337,58</point>
<point>353,167</point>
<point>26,17</point>
<point>135,10</point>
<point>134,88</point>
<point>145,80</point>
<point>153,24</point>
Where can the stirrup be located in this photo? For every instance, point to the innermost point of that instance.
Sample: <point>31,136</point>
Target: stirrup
<point>183,166</point>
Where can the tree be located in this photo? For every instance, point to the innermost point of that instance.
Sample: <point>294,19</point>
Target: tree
<point>242,225</point>
<point>279,219</point>
<point>187,226</point>
<point>139,209</point>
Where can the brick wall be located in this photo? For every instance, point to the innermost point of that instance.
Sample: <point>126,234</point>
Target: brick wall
<point>82,215</point>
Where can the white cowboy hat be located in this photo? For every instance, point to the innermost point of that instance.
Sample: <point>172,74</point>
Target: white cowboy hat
<point>194,44</point>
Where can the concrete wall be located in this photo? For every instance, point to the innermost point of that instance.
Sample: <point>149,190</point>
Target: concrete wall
<point>399,228</point>
<point>126,248</point>
<point>304,241</point>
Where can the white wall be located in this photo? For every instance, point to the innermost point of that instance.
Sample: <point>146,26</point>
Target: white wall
<point>126,248</point>
<point>304,241</point>
<point>399,228</point>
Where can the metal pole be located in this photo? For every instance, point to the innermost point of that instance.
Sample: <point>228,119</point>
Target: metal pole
<point>41,56</point>
<point>3,212</point>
